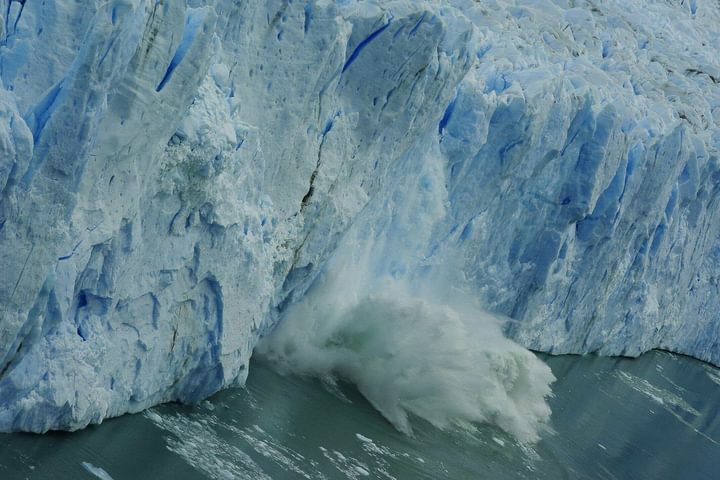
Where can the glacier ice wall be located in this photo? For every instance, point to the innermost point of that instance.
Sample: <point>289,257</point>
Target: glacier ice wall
<point>174,175</point>
<point>583,176</point>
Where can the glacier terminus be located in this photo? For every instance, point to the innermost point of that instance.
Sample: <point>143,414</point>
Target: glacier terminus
<point>180,178</point>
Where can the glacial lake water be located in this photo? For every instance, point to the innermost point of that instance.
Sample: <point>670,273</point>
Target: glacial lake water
<point>656,417</point>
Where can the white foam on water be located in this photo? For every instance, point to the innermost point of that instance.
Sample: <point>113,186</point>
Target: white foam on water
<point>363,438</point>
<point>660,396</point>
<point>96,471</point>
<point>351,467</point>
<point>668,400</point>
<point>713,373</point>
<point>380,455</point>
<point>195,440</point>
<point>267,446</point>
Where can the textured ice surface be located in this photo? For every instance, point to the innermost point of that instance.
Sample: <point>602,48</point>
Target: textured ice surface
<point>175,175</point>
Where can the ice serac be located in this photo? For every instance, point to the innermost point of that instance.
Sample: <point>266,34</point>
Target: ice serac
<point>175,176</point>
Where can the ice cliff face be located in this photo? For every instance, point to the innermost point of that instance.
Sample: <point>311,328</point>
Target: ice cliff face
<point>174,176</point>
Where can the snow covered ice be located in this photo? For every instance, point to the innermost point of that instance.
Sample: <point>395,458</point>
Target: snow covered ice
<point>179,178</point>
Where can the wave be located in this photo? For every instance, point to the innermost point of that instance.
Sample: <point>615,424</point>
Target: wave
<point>447,364</point>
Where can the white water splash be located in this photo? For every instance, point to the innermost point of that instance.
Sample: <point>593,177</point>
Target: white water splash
<point>408,355</point>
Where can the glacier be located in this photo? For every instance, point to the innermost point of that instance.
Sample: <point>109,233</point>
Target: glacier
<point>178,177</point>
